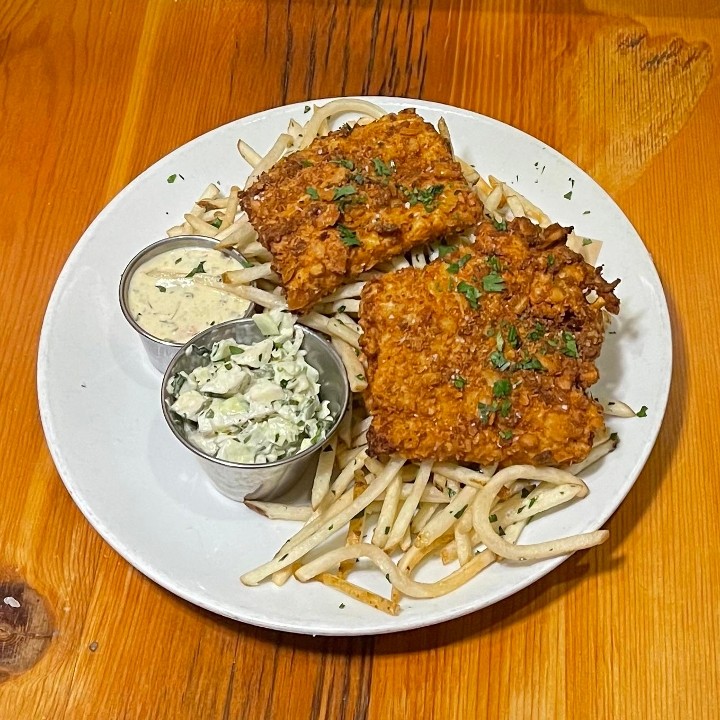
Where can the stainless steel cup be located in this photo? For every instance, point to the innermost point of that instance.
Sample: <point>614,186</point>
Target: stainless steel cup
<point>159,351</point>
<point>258,481</point>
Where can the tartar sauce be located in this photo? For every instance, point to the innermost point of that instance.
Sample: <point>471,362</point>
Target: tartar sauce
<point>254,403</point>
<point>178,293</point>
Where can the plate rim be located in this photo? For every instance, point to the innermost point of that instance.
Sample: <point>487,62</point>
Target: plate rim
<point>249,616</point>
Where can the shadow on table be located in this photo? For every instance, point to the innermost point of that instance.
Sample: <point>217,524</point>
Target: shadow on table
<point>542,594</point>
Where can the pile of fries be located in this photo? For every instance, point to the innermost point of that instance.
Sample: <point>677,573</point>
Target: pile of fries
<point>470,517</point>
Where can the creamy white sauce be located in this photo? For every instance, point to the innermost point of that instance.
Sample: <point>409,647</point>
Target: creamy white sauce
<point>254,403</point>
<point>171,306</point>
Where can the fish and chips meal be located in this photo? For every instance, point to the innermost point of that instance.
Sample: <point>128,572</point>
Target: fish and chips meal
<point>469,325</point>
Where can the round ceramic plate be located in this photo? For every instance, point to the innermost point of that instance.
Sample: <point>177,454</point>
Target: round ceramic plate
<point>143,492</point>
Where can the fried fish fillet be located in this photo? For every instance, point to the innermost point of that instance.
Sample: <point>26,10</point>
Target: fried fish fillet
<point>486,354</point>
<point>356,198</point>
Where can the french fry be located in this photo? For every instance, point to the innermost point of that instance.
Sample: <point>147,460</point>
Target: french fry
<point>357,593</point>
<point>278,511</point>
<point>323,474</point>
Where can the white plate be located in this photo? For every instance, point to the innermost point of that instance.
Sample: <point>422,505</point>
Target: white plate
<point>142,491</point>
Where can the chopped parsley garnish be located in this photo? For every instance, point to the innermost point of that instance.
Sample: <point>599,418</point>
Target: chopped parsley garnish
<point>501,225</point>
<point>484,411</point>
<point>530,363</point>
<point>537,332</point>
<point>217,222</point>
<point>460,512</point>
<point>459,382</point>
<point>506,434</point>
<point>381,168</point>
<point>200,268</point>
<point>423,196</point>
<point>178,260</point>
<point>568,195</point>
<point>343,192</point>
<point>171,178</point>
<point>444,250</point>
<point>305,163</point>
<point>502,388</point>
<point>586,212</point>
<point>312,192</point>
<point>161,288</point>
<point>493,282</point>
<point>492,518</point>
<point>499,361</point>
<point>550,260</point>
<point>341,606</point>
<point>569,346</point>
<point>348,237</point>
<point>494,262</point>
<point>347,164</point>
<point>470,292</point>
<point>307,109</point>
<point>513,337</point>
<point>587,241</point>
<point>455,267</point>
<point>343,195</point>
<point>614,437</point>
<point>532,502</point>
<point>642,412</point>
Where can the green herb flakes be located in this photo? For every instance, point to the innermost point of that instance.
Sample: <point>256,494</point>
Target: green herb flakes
<point>499,225</point>
<point>426,197</point>
<point>444,250</point>
<point>172,178</point>
<point>568,195</point>
<point>586,241</point>
<point>459,382</point>
<point>494,263</point>
<point>506,434</point>
<point>501,388</point>
<point>642,412</point>
<point>537,332</point>
<point>470,292</point>
<point>343,192</point>
<point>381,168</point>
<point>460,512</point>
<point>348,237</point>
<point>161,288</point>
<point>493,282</point>
<point>200,268</point>
<point>312,193</point>
<point>455,267</point>
<point>569,345</point>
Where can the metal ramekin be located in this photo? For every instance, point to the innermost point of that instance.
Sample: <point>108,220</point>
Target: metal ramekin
<point>159,351</point>
<point>239,481</point>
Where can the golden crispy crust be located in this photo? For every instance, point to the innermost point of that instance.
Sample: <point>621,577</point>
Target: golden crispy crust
<point>504,381</point>
<point>404,188</point>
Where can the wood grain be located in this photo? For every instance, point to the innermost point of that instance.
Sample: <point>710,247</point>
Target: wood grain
<point>93,93</point>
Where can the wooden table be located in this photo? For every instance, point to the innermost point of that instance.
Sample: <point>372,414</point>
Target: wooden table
<point>93,93</point>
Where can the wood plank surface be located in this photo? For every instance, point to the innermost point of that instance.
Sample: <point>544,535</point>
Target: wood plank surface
<point>93,93</point>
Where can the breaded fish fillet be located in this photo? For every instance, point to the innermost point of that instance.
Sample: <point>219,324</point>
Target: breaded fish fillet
<point>485,355</point>
<point>356,198</point>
